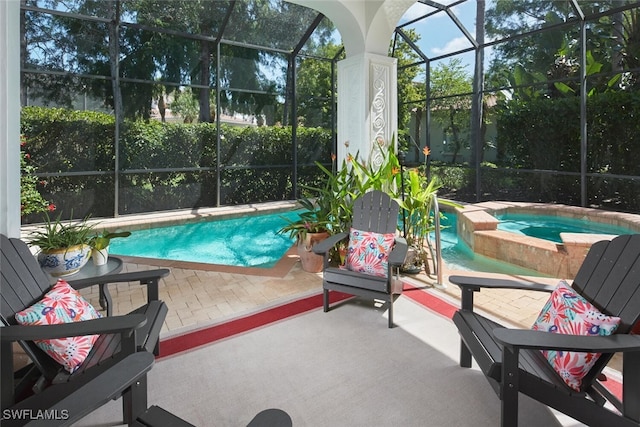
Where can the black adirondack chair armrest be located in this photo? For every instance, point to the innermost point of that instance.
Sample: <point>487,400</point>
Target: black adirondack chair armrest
<point>103,325</point>
<point>148,278</point>
<point>145,277</point>
<point>476,283</point>
<point>399,252</point>
<point>540,340</point>
<point>325,245</point>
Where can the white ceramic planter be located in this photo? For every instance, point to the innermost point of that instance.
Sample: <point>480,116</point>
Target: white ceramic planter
<point>64,261</point>
<point>100,256</point>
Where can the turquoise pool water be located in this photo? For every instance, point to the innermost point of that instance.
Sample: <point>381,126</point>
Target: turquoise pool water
<point>458,256</point>
<point>550,227</point>
<point>250,241</point>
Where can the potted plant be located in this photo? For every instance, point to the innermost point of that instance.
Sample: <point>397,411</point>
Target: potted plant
<point>100,245</point>
<point>310,228</point>
<point>329,209</point>
<point>64,248</point>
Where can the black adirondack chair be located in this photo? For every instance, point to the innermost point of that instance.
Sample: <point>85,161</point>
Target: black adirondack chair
<point>609,278</point>
<point>373,211</point>
<point>116,365</point>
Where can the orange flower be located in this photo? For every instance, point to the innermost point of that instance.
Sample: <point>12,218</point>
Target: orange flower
<point>333,157</point>
<point>349,158</point>
<point>395,171</point>
<point>426,151</point>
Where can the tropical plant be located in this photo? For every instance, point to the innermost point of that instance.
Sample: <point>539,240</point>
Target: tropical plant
<point>337,196</point>
<point>103,240</point>
<point>329,207</point>
<point>380,172</point>
<point>417,203</point>
<point>314,219</point>
<point>417,210</point>
<point>56,234</point>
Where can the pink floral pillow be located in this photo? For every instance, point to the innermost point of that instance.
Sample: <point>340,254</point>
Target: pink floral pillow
<point>62,304</point>
<point>368,252</point>
<point>566,312</point>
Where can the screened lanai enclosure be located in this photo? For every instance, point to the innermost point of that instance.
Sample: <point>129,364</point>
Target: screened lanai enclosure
<point>132,106</point>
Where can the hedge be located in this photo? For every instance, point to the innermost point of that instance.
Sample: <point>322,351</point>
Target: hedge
<point>164,165</point>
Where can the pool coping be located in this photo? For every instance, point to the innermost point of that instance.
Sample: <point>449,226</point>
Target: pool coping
<point>282,267</point>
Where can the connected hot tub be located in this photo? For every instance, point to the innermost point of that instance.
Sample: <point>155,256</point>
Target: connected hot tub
<point>534,243</point>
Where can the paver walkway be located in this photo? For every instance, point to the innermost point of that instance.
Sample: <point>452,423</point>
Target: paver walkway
<point>198,295</point>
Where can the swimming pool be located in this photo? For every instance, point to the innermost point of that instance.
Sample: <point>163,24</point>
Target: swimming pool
<point>549,227</point>
<point>248,241</point>
<point>251,241</point>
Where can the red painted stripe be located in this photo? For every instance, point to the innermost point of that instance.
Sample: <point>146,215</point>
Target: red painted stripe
<point>429,301</point>
<point>191,340</point>
<point>613,386</point>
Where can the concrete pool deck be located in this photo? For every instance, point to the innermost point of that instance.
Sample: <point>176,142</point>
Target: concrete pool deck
<point>199,295</point>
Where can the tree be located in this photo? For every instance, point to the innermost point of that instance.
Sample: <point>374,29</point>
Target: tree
<point>542,59</point>
<point>185,104</point>
<point>178,59</point>
<point>170,42</point>
<point>411,85</point>
<point>315,86</point>
<point>452,113</point>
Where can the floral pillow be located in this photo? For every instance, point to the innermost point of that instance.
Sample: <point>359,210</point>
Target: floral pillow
<point>566,312</point>
<point>368,252</point>
<point>62,304</point>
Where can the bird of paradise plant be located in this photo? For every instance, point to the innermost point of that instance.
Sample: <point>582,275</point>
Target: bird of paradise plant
<point>420,193</point>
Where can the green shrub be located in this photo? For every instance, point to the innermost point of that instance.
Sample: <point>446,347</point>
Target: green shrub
<point>165,165</point>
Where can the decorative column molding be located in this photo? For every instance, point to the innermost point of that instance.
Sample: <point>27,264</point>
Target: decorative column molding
<point>10,118</point>
<point>367,106</point>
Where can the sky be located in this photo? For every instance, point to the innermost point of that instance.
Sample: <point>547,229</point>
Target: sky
<point>440,35</point>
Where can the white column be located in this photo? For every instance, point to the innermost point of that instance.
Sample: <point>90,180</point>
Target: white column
<point>10,118</point>
<point>367,106</point>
